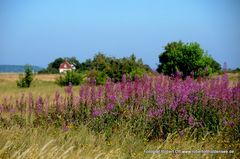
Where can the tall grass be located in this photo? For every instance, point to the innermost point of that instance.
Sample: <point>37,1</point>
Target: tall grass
<point>81,142</point>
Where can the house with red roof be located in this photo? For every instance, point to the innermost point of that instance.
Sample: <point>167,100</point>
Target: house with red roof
<point>65,66</point>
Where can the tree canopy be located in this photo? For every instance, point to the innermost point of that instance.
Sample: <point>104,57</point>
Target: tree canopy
<point>103,66</point>
<point>186,59</point>
<point>53,67</point>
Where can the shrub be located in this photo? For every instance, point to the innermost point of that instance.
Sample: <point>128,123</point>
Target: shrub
<point>100,77</point>
<point>70,77</point>
<point>187,59</point>
<point>25,81</point>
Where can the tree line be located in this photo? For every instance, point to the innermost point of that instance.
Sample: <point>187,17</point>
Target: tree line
<point>178,58</point>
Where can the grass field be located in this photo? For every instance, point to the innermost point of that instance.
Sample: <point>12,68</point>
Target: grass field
<point>71,141</point>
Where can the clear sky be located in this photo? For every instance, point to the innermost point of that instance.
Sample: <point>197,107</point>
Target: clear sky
<point>38,31</point>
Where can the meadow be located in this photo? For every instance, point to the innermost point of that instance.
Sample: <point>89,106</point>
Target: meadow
<point>128,119</point>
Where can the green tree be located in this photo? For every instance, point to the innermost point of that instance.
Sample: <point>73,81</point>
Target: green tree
<point>70,77</point>
<point>186,58</point>
<point>53,67</point>
<point>73,61</point>
<point>102,66</point>
<point>25,81</point>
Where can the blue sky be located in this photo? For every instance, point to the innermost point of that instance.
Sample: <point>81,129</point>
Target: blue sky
<point>38,31</point>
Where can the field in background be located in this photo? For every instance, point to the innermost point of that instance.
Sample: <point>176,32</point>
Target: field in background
<point>14,77</point>
<point>42,85</point>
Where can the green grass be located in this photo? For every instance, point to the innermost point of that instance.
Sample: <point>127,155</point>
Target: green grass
<point>80,142</point>
<point>38,88</point>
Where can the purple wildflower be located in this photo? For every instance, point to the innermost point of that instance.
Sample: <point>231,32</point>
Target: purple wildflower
<point>69,89</point>
<point>191,121</point>
<point>39,105</point>
<point>155,113</point>
<point>65,128</point>
<point>110,106</point>
<point>96,112</point>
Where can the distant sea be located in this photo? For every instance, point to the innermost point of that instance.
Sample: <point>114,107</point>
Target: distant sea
<point>17,68</point>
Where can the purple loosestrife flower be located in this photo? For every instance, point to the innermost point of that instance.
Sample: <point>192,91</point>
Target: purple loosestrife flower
<point>65,128</point>
<point>118,91</point>
<point>39,105</point>
<point>87,95</point>
<point>57,100</point>
<point>161,100</point>
<point>155,113</point>
<point>96,112</point>
<point>228,123</point>
<point>12,110</point>
<point>225,123</point>
<point>82,94</point>
<point>93,94</point>
<point>183,113</point>
<point>191,121</point>
<point>178,75</point>
<point>110,106</point>
<point>124,79</point>
<point>174,104</point>
<point>181,133</point>
<point>231,123</point>
<point>125,91</point>
<point>69,89</point>
<point>93,81</point>
<point>76,102</point>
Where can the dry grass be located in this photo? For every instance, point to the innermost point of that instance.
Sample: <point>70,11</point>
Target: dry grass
<point>15,76</point>
<point>42,85</point>
<point>80,142</point>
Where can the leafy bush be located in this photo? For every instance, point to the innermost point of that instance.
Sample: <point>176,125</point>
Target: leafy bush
<point>70,77</point>
<point>103,66</point>
<point>25,81</point>
<point>187,59</point>
<point>97,77</point>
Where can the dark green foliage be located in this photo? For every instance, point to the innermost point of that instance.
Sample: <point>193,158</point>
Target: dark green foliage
<point>74,61</point>
<point>53,67</point>
<point>100,77</point>
<point>25,81</point>
<point>70,77</point>
<point>186,58</point>
<point>237,70</point>
<point>18,120</point>
<point>102,67</point>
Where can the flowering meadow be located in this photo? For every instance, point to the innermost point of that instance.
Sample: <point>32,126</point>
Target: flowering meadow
<point>156,106</point>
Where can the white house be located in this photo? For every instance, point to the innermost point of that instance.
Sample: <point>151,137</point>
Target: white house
<point>65,66</point>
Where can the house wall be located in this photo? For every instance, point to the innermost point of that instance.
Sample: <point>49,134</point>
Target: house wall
<point>61,70</point>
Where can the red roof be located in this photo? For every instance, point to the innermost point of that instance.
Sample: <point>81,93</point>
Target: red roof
<point>65,65</point>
